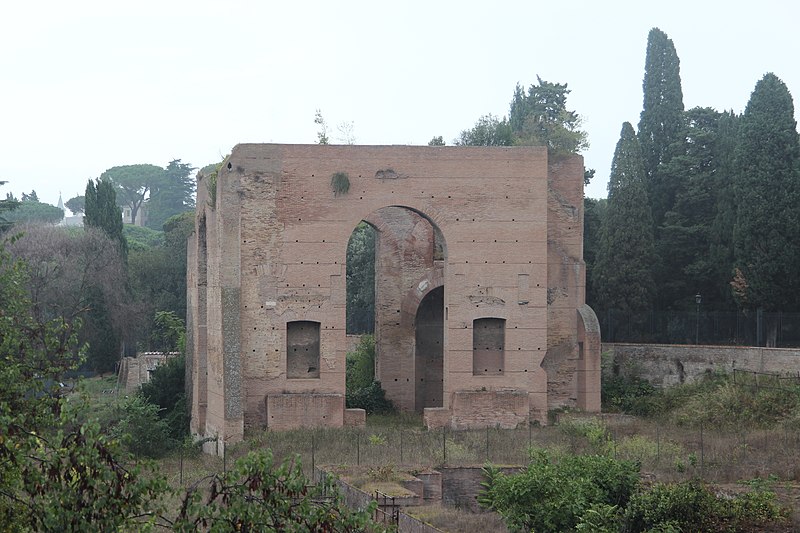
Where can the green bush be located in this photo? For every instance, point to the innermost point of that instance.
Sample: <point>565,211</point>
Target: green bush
<point>360,364</point>
<point>166,389</point>
<point>549,496</point>
<point>692,506</point>
<point>363,392</point>
<point>630,395</point>
<point>140,428</point>
<point>372,399</point>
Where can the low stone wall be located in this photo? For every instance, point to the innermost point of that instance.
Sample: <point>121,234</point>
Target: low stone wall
<point>135,371</point>
<point>461,485</point>
<point>293,410</point>
<point>669,364</point>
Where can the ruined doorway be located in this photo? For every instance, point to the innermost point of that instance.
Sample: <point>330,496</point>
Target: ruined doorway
<point>429,350</point>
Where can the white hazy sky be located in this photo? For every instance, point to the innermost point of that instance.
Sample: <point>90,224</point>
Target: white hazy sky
<point>87,85</point>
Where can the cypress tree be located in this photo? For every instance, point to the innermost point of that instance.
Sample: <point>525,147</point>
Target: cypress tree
<point>103,337</point>
<point>622,277</point>
<point>684,265</point>
<point>767,195</point>
<point>721,232</point>
<point>102,212</point>
<point>661,120</point>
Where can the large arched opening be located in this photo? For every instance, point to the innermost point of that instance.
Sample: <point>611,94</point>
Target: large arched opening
<point>408,253</point>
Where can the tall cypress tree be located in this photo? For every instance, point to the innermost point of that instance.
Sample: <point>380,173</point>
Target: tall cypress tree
<point>622,275</point>
<point>103,337</point>
<point>102,212</point>
<point>684,265</point>
<point>662,117</point>
<point>767,194</point>
<point>721,232</point>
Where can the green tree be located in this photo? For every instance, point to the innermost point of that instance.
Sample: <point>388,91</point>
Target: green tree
<point>541,118</point>
<point>685,264</point>
<point>167,391</point>
<point>102,212</point>
<point>721,233</point>
<point>76,204</point>
<point>489,130</point>
<point>56,472</point>
<point>132,183</point>
<point>171,194</point>
<point>550,496</point>
<point>767,196</point>
<point>622,275</point>
<point>593,214</point>
<point>157,273</point>
<point>661,121</point>
<point>436,141</point>
<point>361,280</point>
<point>259,494</point>
<point>6,206</point>
<point>31,210</point>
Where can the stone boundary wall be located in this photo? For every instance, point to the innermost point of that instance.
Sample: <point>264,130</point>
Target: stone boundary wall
<point>669,364</point>
<point>135,371</point>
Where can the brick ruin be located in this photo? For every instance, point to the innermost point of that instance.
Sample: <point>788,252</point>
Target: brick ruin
<point>480,314</point>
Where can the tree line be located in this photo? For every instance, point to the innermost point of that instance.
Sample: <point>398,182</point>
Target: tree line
<point>701,203</point>
<point>110,281</point>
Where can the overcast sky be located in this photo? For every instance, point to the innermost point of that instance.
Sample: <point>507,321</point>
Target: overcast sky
<point>90,85</point>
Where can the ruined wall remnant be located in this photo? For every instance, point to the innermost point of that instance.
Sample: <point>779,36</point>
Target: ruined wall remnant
<point>480,314</point>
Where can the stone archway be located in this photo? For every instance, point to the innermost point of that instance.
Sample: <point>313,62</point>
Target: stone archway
<point>409,264</point>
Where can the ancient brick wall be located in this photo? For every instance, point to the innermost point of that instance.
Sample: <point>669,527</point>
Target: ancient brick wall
<point>276,235</point>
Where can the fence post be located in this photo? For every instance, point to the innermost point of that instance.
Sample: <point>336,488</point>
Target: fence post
<point>444,445</point>
<point>401,446</point>
<point>530,434</point>
<point>658,444</point>
<point>702,450</point>
<point>358,448</point>
<point>181,465</point>
<point>313,454</point>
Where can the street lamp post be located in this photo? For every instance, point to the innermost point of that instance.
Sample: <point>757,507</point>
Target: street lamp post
<point>698,300</point>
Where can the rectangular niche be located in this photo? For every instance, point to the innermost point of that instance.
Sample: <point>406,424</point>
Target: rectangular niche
<point>302,349</point>
<point>488,346</point>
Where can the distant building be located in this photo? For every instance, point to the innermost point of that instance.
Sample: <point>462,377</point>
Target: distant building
<point>141,215</point>
<point>69,221</point>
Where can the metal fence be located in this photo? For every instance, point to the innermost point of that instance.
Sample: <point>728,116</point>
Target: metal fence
<point>755,328</point>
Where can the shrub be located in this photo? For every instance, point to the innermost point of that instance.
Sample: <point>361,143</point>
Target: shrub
<point>166,389</point>
<point>372,399</point>
<point>630,395</point>
<point>550,496</point>
<point>692,506</point>
<point>141,429</point>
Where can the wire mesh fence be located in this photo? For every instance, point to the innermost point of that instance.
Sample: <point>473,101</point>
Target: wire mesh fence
<point>665,452</point>
<point>755,328</point>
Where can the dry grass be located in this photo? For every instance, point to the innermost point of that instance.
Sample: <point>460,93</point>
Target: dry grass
<point>456,521</point>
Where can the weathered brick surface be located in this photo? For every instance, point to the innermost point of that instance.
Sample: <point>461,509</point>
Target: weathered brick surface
<point>272,251</point>
<point>355,418</point>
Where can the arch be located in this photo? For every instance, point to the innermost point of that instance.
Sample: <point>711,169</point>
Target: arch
<point>409,252</point>
<point>435,220</point>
